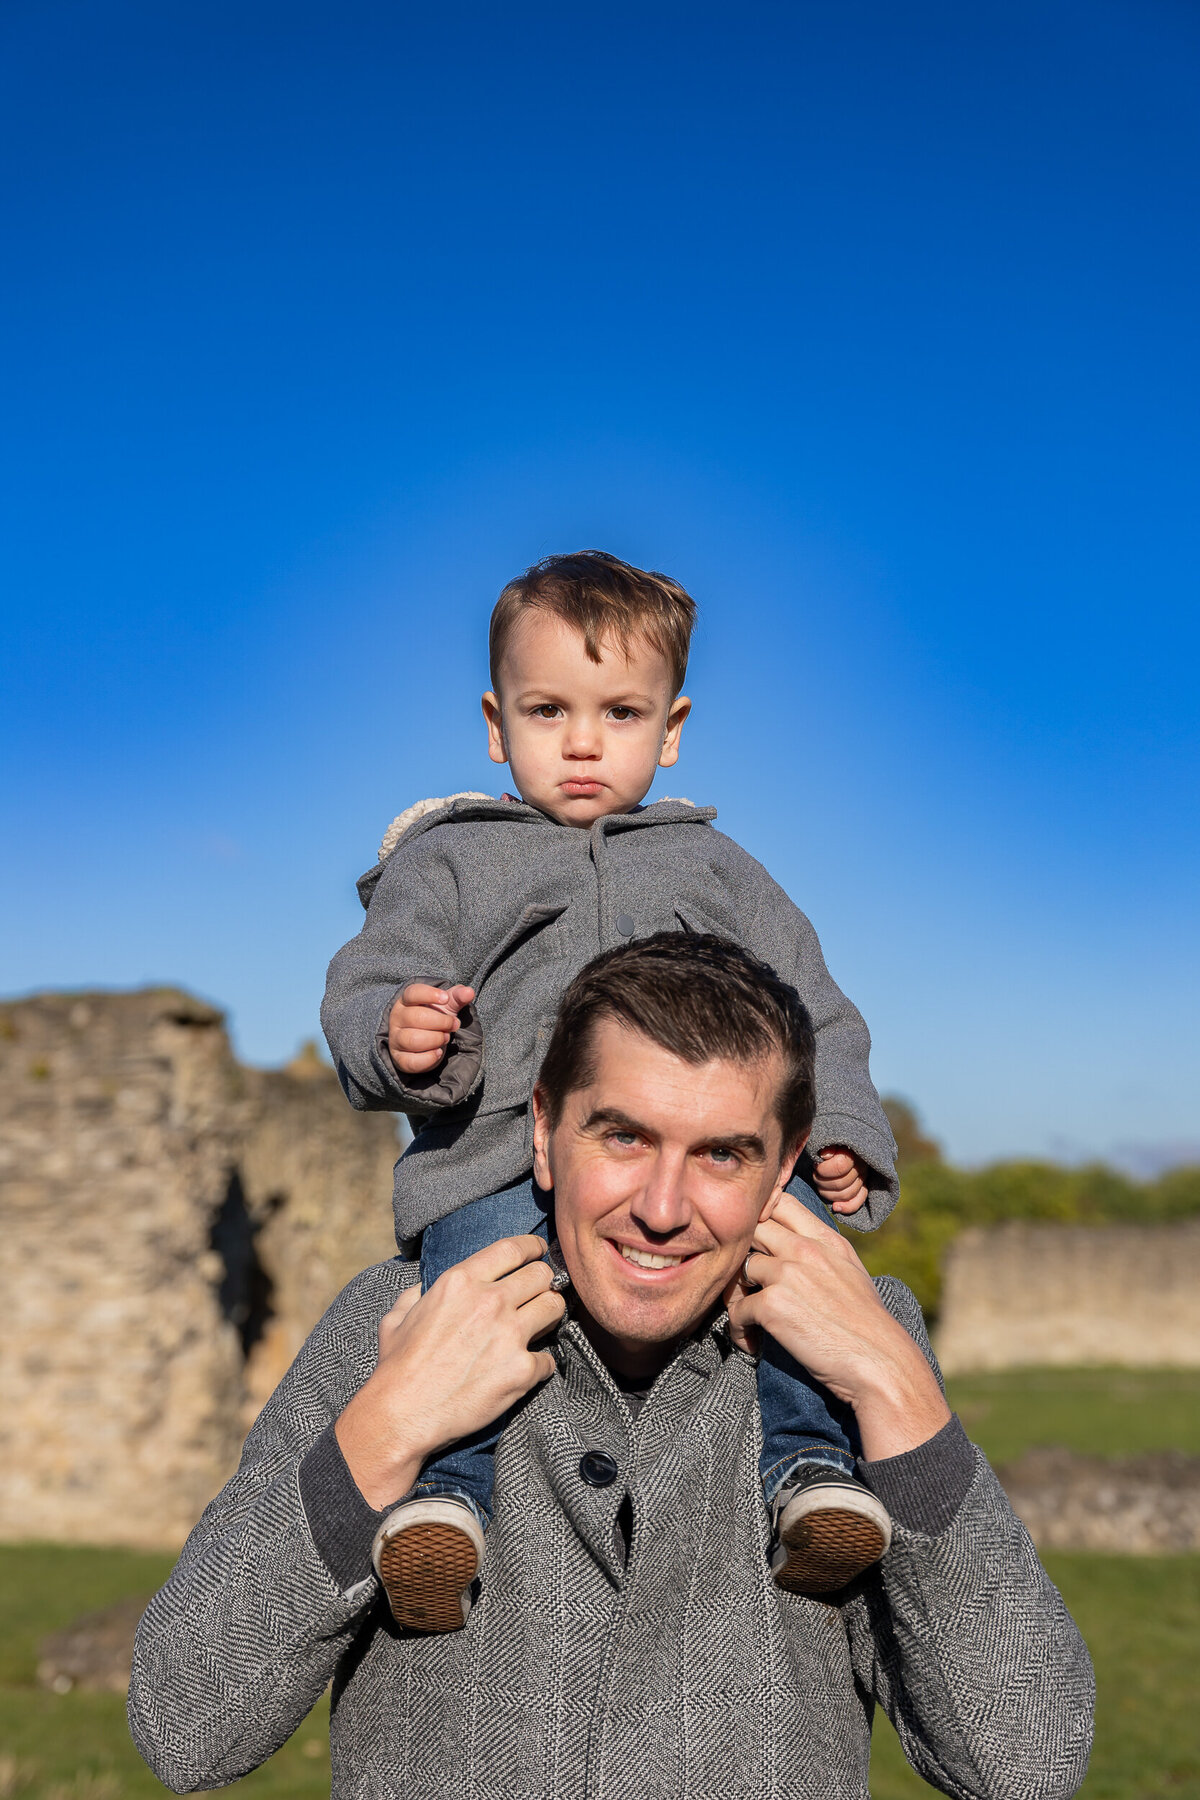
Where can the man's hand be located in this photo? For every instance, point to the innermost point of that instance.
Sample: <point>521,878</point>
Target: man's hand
<point>421,1024</point>
<point>840,1179</point>
<point>816,1299</point>
<point>450,1362</point>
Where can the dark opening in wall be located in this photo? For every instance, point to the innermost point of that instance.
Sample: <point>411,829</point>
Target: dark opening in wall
<point>245,1289</point>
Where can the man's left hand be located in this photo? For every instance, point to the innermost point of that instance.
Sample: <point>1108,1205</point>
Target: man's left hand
<point>804,1284</point>
<point>840,1179</point>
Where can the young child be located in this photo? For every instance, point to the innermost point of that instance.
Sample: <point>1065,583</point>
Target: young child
<point>479,912</point>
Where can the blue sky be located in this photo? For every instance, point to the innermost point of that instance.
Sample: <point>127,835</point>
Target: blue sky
<point>875,325</point>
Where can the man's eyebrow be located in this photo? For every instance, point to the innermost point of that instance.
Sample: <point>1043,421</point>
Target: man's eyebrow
<point>746,1143</point>
<point>616,1120</point>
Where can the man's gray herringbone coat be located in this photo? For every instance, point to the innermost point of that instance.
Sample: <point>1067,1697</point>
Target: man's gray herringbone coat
<point>495,894</point>
<point>629,1643</point>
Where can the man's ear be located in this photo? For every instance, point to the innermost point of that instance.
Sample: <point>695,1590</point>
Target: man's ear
<point>541,1142</point>
<point>786,1170</point>
<point>497,749</point>
<point>681,706</point>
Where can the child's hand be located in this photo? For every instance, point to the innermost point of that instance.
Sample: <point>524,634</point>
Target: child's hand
<point>421,1024</point>
<point>839,1179</point>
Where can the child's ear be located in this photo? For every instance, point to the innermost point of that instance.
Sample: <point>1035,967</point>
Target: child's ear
<point>680,707</point>
<point>497,749</point>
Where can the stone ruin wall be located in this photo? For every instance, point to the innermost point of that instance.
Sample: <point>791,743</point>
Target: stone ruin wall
<point>1068,1295</point>
<point>171,1225</point>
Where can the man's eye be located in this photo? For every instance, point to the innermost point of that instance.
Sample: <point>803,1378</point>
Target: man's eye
<point>626,1139</point>
<point>723,1156</point>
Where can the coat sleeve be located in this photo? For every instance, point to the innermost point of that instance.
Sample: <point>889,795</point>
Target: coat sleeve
<point>849,1111</point>
<point>234,1652</point>
<point>409,934</point>
<point>961,1636</point>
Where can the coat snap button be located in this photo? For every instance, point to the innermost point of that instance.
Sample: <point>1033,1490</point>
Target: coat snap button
<point>625,925</point>
<point>598,1468</point>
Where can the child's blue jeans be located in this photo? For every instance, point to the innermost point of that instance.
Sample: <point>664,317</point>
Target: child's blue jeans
<point>801,1421</point>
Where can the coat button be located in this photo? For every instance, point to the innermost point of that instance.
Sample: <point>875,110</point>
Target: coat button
<point>625,925</point>
<point>598,1468</point>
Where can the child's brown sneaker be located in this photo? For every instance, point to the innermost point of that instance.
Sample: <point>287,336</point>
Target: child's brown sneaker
<point>829,1529</point>
<point>427,1553</point>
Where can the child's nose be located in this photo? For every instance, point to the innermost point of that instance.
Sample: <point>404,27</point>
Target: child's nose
<point>582,739</point>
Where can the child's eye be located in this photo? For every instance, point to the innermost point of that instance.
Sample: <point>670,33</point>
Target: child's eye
<point>548,711</point>
<point>621,713</point>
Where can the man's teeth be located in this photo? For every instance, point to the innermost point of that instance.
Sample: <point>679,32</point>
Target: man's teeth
<point>648,1259</point>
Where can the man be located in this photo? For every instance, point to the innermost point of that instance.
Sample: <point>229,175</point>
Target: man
<point>628,1639</point>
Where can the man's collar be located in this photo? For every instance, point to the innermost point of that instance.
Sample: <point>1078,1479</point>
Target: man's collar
<point>557,1261</point>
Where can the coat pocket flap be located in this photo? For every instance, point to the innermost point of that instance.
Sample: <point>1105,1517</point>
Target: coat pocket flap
<point>532,921</point>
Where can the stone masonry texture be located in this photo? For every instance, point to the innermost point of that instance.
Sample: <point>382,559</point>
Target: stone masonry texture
<point>171,1226</point>
<point>1068,1295</point>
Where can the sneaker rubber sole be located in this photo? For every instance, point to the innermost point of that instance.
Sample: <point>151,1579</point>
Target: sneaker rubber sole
<point>427,1568</point>
<point>825,1550</point>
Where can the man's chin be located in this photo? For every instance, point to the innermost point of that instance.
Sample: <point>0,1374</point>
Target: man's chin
<point>649,1316</point>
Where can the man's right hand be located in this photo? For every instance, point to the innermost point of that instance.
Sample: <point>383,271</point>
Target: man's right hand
<point>421,1023</point>
<point>450,1362</point>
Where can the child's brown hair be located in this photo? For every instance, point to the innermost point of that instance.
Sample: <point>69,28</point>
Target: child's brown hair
<point>601,597</point>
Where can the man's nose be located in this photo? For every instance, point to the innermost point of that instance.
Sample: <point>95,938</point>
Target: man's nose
<point>662,1205</point>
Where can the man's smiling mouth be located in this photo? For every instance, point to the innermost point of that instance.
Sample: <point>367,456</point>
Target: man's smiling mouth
<point>648,1259</point>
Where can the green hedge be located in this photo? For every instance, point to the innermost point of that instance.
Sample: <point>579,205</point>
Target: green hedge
<point>938,1201</point>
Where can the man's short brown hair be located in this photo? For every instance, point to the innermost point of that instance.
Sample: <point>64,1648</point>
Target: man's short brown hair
<point>602,598</point>
<point>698,996</point>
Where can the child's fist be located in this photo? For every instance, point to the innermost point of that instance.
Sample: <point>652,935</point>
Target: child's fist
<point>839,1179</point>
<point>421,1023</point>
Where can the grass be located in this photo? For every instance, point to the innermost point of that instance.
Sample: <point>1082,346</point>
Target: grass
<point>1100,1412</point>
<point>1140,1616</point>
<point>1141,1619</point>
<point>77,1746</point>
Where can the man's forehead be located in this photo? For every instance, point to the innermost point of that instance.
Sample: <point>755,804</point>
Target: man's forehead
<point>634,1074</point>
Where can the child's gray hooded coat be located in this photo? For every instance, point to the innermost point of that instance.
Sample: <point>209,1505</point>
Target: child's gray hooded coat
<point>495,894</point>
